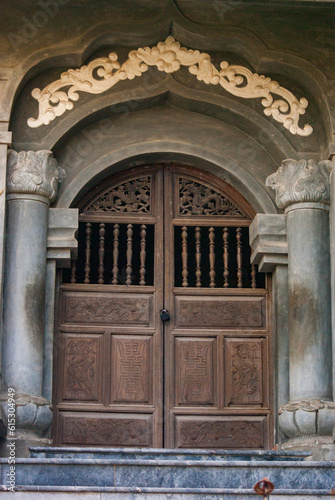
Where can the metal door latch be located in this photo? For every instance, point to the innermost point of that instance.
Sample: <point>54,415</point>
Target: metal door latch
<point>165,315</point>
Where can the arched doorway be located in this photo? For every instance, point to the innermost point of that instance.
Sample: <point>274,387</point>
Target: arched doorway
<point>164,330</point>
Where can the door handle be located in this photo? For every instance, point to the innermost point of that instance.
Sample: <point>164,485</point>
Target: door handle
<point>165,315</point>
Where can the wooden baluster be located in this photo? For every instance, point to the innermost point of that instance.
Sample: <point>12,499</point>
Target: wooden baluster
<point>198,256</point>
<point>253,276</point>
<point>239,257</point>
<point>129,268</point>
<point>143,254</point>
<point>116,233</point>
<point>87,268</point>
<point>211,257</point>
<point>184,255</point>
<point>101,268</point>
<point>73,271</point>
<point>225,258</point>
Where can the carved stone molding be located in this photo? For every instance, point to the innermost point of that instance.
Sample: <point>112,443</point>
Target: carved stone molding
<point>302,181</point>
<point>268,240</point>
<point>33,415</point>
<point>103,73</point>
<point>33,172</point>
<point>307,418</point>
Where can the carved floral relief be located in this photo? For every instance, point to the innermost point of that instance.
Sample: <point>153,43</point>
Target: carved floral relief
<point>103,73</point>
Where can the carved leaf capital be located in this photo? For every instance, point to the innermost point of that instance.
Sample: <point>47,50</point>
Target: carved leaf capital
<point>301,181</point>
<point>33,172</point>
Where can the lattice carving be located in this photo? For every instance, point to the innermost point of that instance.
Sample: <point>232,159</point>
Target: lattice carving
<point>103,73</point>
<point>129,197</point>
<point>198,199</point>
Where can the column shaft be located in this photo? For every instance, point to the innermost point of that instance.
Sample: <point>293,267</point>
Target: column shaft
<point>310,315</point>
<point>25,293</point>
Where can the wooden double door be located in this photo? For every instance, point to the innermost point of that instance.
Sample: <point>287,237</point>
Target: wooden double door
<point>164,335</point>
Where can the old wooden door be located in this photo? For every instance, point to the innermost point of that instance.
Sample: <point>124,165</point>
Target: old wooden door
<point>164,326</point>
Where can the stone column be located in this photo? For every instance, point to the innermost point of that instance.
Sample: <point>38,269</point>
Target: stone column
<point>303,192</point>
<point>32,182</point>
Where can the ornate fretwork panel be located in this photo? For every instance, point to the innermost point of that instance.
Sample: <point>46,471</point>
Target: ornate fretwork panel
<point>198,199</point>
<point>130,197</point>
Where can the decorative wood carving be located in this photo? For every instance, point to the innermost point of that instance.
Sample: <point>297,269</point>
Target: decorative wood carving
<point>220,432</point>
<point>184,255</point>
<point>225,236</point>
<point>107,430</point>
<point>194,362</point>
<point>106,309</point>
<point>198,256</point>
<point>143,254</point>
<point>212,273</point>
<point>102,233</point>
<point>116,233</point>
<point>131,369</point>
<point>81,357</point>
<point>244,371</point>
<point>130,197</point>
<point>224,313</point>
<point>103,73</point>
<point>198,199</point>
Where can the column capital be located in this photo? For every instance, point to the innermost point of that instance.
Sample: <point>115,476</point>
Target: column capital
<point>301,181</point>
<point>33,172</point>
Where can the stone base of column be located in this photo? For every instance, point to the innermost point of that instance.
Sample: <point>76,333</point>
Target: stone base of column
<point>307,425</point>
<point>30,425</point>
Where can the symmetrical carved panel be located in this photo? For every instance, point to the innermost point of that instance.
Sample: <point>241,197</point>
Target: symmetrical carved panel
<point>198,199</point>
<point>81,367</point>
<point>194,370</point>
<point>220,432</point>
<point>131,369</point>
<point>106,309</point>
<point>244,372</point>
<point>130,197</point>
<point>223,312</point>
<point>106,429</point>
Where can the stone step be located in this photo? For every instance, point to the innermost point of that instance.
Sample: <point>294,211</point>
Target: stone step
<point>161,473</point>
<point>166,454</point>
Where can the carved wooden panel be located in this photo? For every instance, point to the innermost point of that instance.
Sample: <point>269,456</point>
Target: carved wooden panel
<point>131,379</point>
<point>132,196</point>
<point>105,429</point>
<point>106,308</point>
<point>82,364</point>
<point>198,199</point>
<point>244,372</point>
<point>221,312</point>
<point>220,432</point>
<point>194,371</point>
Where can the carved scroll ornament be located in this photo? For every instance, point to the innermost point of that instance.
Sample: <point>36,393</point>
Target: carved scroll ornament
<point>301,182</point>
<point>103,73</point>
